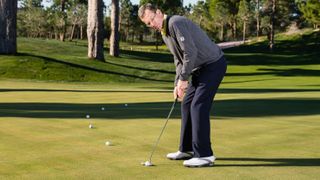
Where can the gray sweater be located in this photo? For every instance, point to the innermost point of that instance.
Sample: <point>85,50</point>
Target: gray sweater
<point>190,46</point>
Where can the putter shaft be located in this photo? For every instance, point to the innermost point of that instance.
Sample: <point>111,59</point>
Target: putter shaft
<point>157,142</point>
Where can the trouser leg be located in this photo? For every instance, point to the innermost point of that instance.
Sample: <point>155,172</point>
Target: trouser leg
<point>206,84</point>
<point>186,126</point>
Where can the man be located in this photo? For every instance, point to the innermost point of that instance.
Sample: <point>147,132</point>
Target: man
<point>195,56</point>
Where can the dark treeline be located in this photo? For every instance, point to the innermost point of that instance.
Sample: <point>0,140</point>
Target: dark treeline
<point>223,20</point>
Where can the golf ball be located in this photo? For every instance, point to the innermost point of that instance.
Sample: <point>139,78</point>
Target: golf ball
<point>87,116</point>
<point>108,143</point>
<point>125,105</point>
<point>147,163</point>
<point>102,108</point>
<point>90,126</point>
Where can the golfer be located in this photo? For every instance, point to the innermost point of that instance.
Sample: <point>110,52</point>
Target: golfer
<point>200,68</point>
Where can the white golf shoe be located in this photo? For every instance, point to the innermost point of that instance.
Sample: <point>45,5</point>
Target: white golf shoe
<point>200,162</point>
<point>179,155</point>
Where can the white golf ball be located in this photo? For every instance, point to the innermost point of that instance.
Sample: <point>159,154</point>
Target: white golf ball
<point>90,126</point>
<point>125,105</point>
<point>87,116</point>
<point>102,108</point>
<point>108,143</point>
<point>147,163</point>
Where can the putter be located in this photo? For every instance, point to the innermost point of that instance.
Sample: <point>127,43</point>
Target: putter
<point>149,163</point>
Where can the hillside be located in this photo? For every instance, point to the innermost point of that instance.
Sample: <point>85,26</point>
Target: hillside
<point>51,60</point>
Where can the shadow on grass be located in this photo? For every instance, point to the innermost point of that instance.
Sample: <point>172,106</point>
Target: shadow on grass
<point>164,90</point>
<point>266,107</point>
<point>252,162</point>
<point>243,91</point>
<point>143,69</point>
<point>280,72</point>
<point>92,68</point>
<point>272,59</point>
<point>150,56</point>
<point>222,108</point>
<point>85,91</point>
<point>292,72</point>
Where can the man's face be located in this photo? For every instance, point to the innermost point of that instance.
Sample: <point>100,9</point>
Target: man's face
<point>153,19</point>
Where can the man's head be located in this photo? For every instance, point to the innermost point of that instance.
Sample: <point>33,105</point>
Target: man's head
<point>151,16</point>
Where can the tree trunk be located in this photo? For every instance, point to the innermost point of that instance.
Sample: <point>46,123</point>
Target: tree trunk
<point>8,26</point>
<point>132,40</point>
<point>222,32</point>
<point>72,31</point>
<point>244,31</point>
<point>258,17</point>
<point>64,28</point>
<point>127,30</point>
<point>114,38</point>
<point>62,35</point>
<point>234,28</point>
<point>95,29</point>
<point>81,32</point>
<point>271,42</point>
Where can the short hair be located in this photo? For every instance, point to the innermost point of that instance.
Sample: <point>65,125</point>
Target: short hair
<point>145,7</point>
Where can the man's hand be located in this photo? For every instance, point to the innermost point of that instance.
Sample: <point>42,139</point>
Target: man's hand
<point>175,93</point>
<point>180,89</point>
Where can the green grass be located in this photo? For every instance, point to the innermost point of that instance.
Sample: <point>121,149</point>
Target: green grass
<point>256,134</point>
<point>265,121</point>
<point>68,62</point>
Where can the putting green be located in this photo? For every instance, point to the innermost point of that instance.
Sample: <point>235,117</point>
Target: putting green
<point>256,133</point>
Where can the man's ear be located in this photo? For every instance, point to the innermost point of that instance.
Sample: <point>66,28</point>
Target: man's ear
<point>158,11</point>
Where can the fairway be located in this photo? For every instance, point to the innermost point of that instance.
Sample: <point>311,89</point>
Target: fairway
<point>257,133</point>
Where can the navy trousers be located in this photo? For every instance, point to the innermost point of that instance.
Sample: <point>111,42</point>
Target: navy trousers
<point>195,108</point>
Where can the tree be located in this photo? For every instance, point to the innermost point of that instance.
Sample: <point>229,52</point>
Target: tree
<point>125,17</point>
<point>30,3</point>
<point>233,8</point>
<point>310,10</point>
<point>276,17</point>
<point>137,25</point>
<point>258,3</point>
<point>244,14</point>
<point>218,10</point>
<point>8,28</point>
<point>167,6</point>
<point>35,23</point>
<point>272,19</point>
<point>200,14</point>
<point>77,16</point>
<point>114,38</point>
<point>61,6</point>
<point>32,19</point>
<point>95,29</point>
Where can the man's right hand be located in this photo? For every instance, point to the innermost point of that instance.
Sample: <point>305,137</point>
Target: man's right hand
<point>175,94</point>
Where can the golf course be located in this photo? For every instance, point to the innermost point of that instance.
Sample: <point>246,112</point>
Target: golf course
<point>265,122</point>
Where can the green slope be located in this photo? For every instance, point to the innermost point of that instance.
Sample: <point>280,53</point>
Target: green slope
<point>50,60</point>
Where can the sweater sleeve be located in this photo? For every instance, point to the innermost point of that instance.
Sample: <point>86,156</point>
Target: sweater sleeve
<point>186,43</point>
<point>178,70</point>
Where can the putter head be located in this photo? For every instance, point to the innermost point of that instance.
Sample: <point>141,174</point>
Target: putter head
<point>147,163</point>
